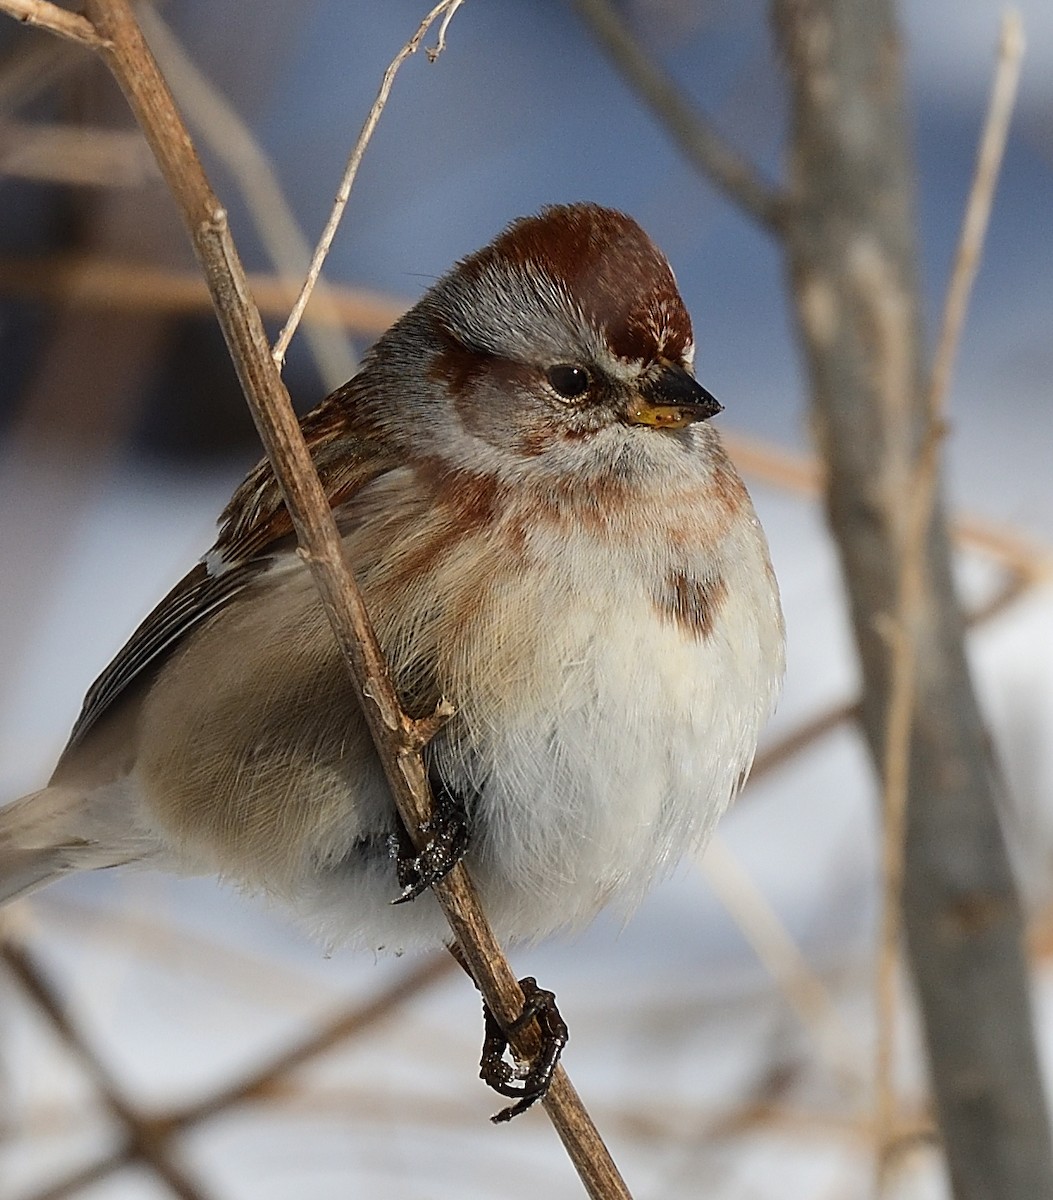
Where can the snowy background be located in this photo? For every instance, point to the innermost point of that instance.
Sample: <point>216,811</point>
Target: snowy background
<point>708,1074</point>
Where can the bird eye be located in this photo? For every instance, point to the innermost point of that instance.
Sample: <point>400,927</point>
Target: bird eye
<point>569,381</point>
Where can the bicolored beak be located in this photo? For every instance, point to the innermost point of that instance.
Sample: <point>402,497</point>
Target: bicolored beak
<point>671,399</point>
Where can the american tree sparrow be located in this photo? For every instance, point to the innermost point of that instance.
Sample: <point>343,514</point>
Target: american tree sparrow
<point>547,531</point>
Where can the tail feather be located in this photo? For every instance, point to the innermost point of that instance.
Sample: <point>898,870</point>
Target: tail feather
<point>40,842</point>
<point>23,871</point>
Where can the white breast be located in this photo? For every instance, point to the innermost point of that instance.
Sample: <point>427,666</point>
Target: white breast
<point>617,738</point>
<point>596,739</point>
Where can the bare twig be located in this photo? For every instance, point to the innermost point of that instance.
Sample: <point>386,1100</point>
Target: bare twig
<point>74,154</point>
<point>145,1140</point>
<point>399,739</point>
<point>805,474</point>
<point>94,281</point>
<point>31,70</point>
<point>698,140</point>
<point>906,629</point>
<point>780,955</point>
<point>445,10</point>
<point>978,208</point>
<point>433,52</point>
<point>258,1082</point>
<point>216,121</point>
<point>54,19</point>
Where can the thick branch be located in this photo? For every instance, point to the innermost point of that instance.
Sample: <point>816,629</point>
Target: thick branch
<point>851,255</point>
<point>698,140</point>
<point>905,627</point>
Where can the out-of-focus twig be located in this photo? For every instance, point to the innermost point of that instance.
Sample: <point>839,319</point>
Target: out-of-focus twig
<point>810,731</point>
<point>804,474</point>
<point>149,1137</point>
<point>74,154</point>
<point>220,126</point>
<point>263,979</point>
<point>31,70</point>
<point>445,10</point>
<point>783,959</point>
<point>94,281</point>
<point>698,140</point>
<point>978,207</point>
<point>352,1023</point>
<point>145,1140</point>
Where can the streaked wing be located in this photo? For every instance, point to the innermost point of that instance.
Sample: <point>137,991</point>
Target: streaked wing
<point>254,525</point>
<point>195,597</point>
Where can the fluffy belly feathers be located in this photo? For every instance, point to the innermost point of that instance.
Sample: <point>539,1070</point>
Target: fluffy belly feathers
<point>596,737</point>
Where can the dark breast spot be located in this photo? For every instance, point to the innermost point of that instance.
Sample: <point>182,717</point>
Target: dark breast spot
<point>692,604</point>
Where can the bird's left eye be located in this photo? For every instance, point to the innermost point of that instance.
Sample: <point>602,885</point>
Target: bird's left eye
<point>569,381</point>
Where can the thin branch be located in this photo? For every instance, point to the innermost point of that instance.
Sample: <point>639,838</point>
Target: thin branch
<point>906,629</point>
<point>978,208</point>
<point>216,121</point>
<point>145,1141</point>
<point>259,1082</point>
<point>440,41</point>
<point>781,956</point>
<point>74,154</point>
<point>31,70</point>
<point>399,740</point>
<point>93,281</point>
<point>446,10</point>
<point>806,475</point>
<point>698,140</point>
<point>55,20</point>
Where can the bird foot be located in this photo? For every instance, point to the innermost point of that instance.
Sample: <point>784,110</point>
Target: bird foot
<point>447,831</point>
<point>525,1082</point>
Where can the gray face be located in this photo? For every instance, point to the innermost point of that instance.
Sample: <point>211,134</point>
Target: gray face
<point>565,341</point>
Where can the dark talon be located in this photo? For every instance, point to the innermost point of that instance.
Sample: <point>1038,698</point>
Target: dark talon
<point>527,1085</point>
<point>447,842</point>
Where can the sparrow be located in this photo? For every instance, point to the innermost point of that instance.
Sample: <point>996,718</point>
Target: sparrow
<point>547,532</point>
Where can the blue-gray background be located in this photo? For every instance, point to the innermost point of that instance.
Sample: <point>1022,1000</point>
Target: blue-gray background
<point>183,984</point>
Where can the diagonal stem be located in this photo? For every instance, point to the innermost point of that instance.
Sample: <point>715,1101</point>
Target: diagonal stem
<point>699,142</point>
<point>146,1141</point>
<point>399,740</point>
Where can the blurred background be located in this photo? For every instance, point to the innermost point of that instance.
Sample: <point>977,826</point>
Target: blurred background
<point>723,1039</point>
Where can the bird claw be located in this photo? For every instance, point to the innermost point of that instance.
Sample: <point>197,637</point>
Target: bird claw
<point>525,1083</point>
<point>447,831</point>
